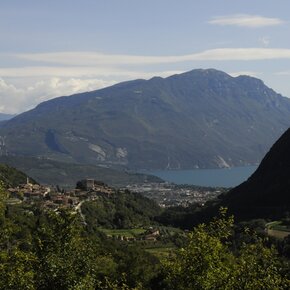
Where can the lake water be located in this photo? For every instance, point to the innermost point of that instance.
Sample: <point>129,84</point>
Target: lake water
<point>225,177</point>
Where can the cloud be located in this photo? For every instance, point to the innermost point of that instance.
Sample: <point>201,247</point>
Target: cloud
<point>246,20</point>
<point>15,100</point>
<point>94,63</point>
<point>11,97</point>
<point>245,73</point>
<point>29,86</point>
<point>60,71</point>
<point>81,72</point>
<point>282,73</point>
<point>242,54</point>
<point>49,75</point>
<point>96,58</point>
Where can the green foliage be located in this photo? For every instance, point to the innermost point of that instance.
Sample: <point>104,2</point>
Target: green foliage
<point>66,257</point>
<point>135,263</point>
<point>258,267</point>
<point>47,250</point>
<point>11,176</point>
<point>52,250</point>
<point>207,262</point>
<point>16,266</point>
<point>128,233</point>
<point>120,210</point>
<point>3,197</point>
<point>16,269</point>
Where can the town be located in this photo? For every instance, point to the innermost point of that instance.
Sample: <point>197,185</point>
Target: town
<point>164,194</point>
<point>169,194</point>
<point>53,197</point>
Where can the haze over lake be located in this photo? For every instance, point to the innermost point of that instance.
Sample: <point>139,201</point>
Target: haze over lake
<point>225,177</point>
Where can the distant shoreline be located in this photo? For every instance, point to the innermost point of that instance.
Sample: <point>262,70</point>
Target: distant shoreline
<point>221,177</point>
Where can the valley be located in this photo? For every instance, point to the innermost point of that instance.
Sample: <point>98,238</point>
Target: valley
<point>139,230</point>
<point>144,145</point>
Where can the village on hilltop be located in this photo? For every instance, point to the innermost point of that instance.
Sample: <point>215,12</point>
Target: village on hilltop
<point>53,197</point>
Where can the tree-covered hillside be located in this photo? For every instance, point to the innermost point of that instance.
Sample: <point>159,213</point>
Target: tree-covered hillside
<point>121,210</point>
<point>11,176</point>
<point>55,250</point>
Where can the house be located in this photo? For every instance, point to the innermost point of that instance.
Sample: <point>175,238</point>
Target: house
<point>152,234</point>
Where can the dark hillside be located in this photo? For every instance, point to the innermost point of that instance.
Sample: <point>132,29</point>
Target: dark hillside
<point>267,191</point>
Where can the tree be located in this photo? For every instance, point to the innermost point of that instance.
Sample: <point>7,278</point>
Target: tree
<point>207,261</point>
<point>65,258</point>
<point>16,269</point>
<point>3,197</point>
<point>16,266</point>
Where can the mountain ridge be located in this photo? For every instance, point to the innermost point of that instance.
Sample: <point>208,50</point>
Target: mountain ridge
<point>198,119</point>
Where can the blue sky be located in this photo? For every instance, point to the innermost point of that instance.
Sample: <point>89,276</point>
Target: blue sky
<point>60,47</point>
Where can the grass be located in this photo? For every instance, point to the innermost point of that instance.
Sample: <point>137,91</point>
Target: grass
<point>277,233</point>
<point>277,225</point>
<point>129,233</point>
<point>273,224</point>
<point>277,229</point>
<point>282,228</point>
<point>161,252</point>
<point>159,249</point>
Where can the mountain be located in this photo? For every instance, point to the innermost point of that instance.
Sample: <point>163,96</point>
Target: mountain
<point>267,192</point>
<point>198,119</point>
<point>66,175</point>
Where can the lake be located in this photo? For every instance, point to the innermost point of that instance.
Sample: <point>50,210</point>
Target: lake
<point>225,177</point>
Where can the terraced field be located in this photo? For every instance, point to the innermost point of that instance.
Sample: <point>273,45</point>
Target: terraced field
<point>277,229</point>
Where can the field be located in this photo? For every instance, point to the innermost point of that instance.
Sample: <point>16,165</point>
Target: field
<point>277,229</point>
<point>162,249</point>
<point>161,252</point>
<point>128,233</point>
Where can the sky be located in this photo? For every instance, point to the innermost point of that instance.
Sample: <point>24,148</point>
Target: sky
<point>61,47</point>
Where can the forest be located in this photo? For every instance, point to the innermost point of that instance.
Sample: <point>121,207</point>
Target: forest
<point>45,249</point>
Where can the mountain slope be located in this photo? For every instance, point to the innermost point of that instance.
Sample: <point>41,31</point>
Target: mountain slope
<point>267,191</point>
<point>199,119</point>
<point>67,174</point>
<point>4,117</point>
<point>11,176</point>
